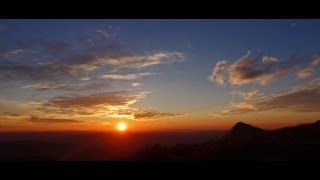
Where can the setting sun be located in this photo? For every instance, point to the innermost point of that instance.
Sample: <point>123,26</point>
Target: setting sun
<point>122,126</point>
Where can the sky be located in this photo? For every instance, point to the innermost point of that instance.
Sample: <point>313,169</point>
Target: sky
<point>90,74</point>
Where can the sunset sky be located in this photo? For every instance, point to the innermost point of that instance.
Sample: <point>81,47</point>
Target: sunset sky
<point>158,74</point>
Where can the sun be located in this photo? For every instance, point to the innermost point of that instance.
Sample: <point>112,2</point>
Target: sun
<point>122,126</point>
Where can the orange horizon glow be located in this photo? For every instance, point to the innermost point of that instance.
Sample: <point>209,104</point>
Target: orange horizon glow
<point>160,126</point>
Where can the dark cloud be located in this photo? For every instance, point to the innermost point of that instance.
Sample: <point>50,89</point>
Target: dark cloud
<point>52,64</point>
<point>48,86</point>
<point>110,98</point>
<point>256,68</point>
<point>304,98</point>
<point>147,114</point>
<point>50,120</point>
<point>11,70</point>
<point>301,99</point>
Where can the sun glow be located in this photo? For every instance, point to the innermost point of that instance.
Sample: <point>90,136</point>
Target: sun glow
<point>122,126</point>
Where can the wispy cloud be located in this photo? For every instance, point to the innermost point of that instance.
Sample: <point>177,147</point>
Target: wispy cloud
<point>52,120</point>
<point>108,98</point>
<point>85,78</point>
<point>150,114</point>
<point>80,66</point>
<point>47,86</point>
<point>88,67</point>
<point>138,61</point>
<point>108,32</point>
<point>219,73</point>
<point>269,59</point>
<point>136,84</point>
<point>248,96</point>
<point>103,33</point>
<point>125,76</point>
<point>309,70</point>
<point>13,52</point>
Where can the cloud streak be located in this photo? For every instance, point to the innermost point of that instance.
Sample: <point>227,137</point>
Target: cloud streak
<point>108,98</point>
<point>309,70</point>
<point>82,66</point>
<point>51,120</point>
<point>152,114</point>
<point>46,86</point>
<point>136,84</point>
<point>125,76</point>
<point>301,98</point>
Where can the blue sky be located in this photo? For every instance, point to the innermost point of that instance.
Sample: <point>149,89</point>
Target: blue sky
<point>171,87</point>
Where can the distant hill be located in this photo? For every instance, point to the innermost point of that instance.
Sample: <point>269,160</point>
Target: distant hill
<point>301,133</point>
<point>240,129</point>
<point>246,142</point>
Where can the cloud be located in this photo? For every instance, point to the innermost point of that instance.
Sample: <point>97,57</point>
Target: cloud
<point>103,33</point>
<point>93,86</point>
<point>247,70</point>
<point>108,104</point>
<point>85,78</point>
<point>309,70</point>
<point>112,105</point>
<point>14,106</point>
<point>11,70</point>
<point>13,52</point>
<point>248,96</point>
<point>50,120</point>
<point>108,98</point>
<point>106,123</point>
<point>254,68</point>
<point>75,59</point>
<point>109,32</point>
<point>138,61</point>
<point>303,98</point>
<point>269,59</point>
<point>244,106</point>
<point>82,67</point>
<point>47,86</point>
<point>125,76</point>
<point>136,84</point>
<point>219,73</point>
<point>152,114</point>
<point>86,64</point>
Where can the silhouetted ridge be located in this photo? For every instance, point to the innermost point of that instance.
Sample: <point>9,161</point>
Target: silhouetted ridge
<point>244,129</point>
<point>247,142</point>
<point>303,132</point>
